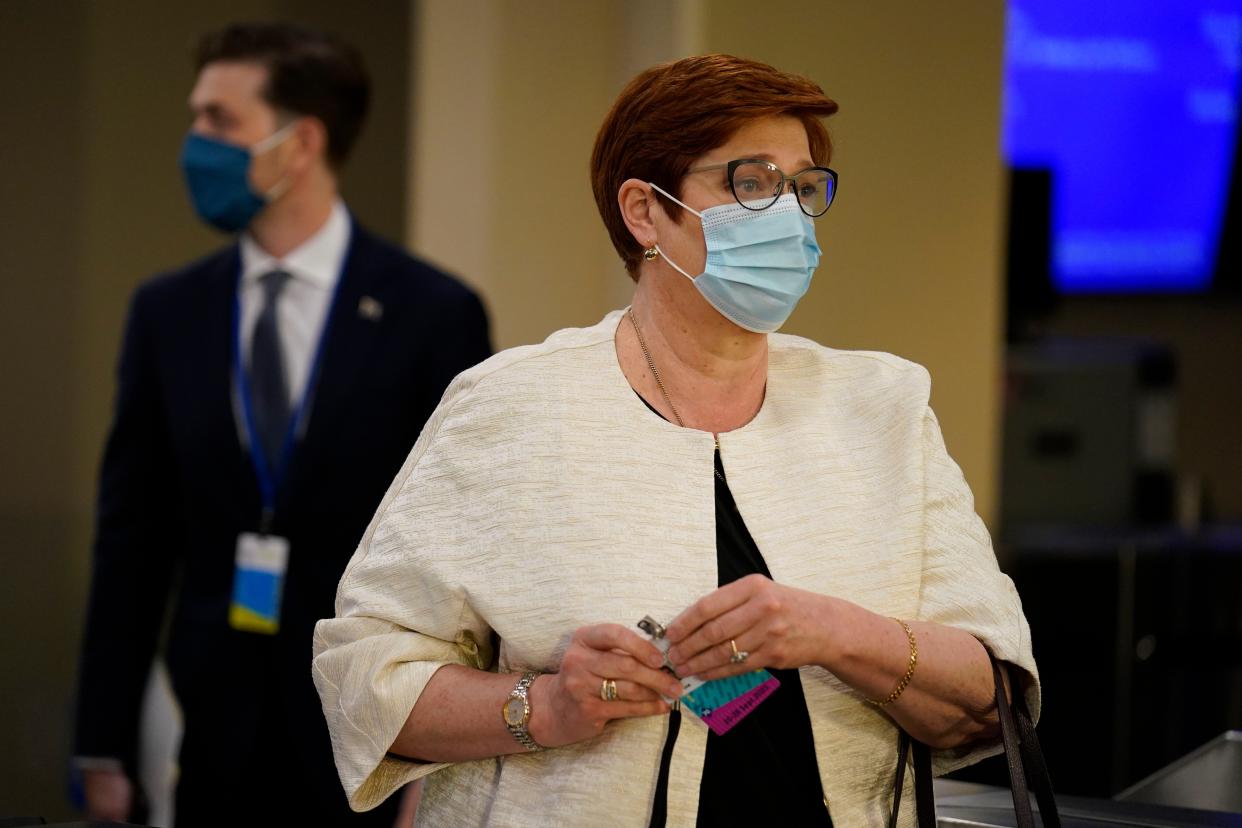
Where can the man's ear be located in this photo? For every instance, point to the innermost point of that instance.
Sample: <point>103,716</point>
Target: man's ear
<point>312,140</point>
<point>638,205</point>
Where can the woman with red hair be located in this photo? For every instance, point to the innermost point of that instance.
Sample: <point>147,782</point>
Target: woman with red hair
<point>788,510</point>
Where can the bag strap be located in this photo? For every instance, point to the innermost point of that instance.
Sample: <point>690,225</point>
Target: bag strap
<point>899,777</point>
<point>924,797</point>
<point>1013,754</point>
<point>1020,742</point>
<point>1036,769</point>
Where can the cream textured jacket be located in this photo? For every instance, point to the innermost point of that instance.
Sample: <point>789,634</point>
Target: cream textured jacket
<point>543,495</point>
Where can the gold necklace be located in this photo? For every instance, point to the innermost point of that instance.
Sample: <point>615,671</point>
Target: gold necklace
<point>642,343</point>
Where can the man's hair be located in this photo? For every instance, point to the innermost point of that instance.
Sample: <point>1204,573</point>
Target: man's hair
<point>676,112</point>
<point>308,73</point>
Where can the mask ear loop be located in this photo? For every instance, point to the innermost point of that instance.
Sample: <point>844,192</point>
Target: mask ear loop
<point>673,264</point>
<point>271,142</point>
<point>671,197</point>
<point>278,189</point>
<point>656,246</point>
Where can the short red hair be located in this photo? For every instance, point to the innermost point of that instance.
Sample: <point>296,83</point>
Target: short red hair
<point>675,112</point>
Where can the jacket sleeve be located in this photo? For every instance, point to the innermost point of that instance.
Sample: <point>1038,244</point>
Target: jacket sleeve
<point>962,586</point>
<point>133,554</point>
<point>401,613</point>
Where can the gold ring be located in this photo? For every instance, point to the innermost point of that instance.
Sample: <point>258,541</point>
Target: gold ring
<point>738,656</point>
<point>608,690</point>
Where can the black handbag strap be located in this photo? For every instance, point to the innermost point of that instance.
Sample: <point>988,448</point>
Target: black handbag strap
<point>924,797</point>
<point>1013,754</point>
<point>1022,754</point>
<point>899,777</point>
<point>1036,768</point>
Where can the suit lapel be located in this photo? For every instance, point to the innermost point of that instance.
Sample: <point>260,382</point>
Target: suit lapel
<point>350,335</point>
<point>222,431</point>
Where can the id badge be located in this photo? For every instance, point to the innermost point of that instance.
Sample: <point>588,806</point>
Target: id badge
<point>719,703</point>
<point>722,703</point>
<point>258,583</point>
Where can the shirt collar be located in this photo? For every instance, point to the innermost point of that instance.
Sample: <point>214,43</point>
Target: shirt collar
<point>317,261</point>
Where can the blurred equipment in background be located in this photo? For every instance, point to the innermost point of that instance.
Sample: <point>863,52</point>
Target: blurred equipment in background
<point>1139,636</point>
<point>1209,778</point>
<point>1123,271</point>
<point>1089,434</point>
<point>1199,789</point>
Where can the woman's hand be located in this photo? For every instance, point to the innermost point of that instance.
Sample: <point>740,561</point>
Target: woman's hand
<point>777,625</point>
<point>567,706</point>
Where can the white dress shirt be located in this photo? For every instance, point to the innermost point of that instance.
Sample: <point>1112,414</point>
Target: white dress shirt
<point>302,306</point>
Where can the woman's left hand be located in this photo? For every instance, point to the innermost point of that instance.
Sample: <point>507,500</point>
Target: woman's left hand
<point>776,625</point>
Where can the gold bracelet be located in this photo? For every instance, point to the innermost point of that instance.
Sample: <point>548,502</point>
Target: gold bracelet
<point>905,680</point>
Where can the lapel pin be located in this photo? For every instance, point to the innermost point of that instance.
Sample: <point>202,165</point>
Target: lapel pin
<point>370,308</point>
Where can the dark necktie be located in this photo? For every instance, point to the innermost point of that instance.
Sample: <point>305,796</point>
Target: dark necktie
<point>269,388</point>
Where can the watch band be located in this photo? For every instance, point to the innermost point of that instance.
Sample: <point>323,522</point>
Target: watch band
<point>520,731</point>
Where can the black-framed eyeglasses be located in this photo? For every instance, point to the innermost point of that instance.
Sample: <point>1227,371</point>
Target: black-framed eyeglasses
<point>757,184</point>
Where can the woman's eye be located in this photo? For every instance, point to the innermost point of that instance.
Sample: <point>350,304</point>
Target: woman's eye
<point>746,185</point>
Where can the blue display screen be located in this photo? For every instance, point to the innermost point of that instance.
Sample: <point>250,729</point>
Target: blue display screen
<point>1132,105</point>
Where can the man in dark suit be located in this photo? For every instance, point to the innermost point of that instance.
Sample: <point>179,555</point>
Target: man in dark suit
<point>267,396</point>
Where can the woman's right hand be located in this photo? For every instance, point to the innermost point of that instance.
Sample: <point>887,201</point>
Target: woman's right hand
<point>567,706</point>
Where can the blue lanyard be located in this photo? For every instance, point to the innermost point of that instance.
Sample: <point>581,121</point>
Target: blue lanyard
<point>270,479</point>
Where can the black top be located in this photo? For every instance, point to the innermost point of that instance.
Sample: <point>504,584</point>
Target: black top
<point>763,771</point>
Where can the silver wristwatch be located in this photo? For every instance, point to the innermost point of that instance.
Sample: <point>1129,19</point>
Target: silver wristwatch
<point>516,712</point>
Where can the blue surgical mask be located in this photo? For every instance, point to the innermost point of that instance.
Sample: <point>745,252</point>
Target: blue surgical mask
<point>218,176</point>
<point>759,262</point>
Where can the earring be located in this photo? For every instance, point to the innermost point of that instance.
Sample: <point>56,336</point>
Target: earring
<point>651,252</point>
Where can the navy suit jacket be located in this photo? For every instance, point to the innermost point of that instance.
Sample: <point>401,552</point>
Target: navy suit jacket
<point>177,487</point>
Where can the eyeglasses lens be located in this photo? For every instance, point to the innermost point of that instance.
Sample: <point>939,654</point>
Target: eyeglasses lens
<point>815,189</point>
<point>756,185</point>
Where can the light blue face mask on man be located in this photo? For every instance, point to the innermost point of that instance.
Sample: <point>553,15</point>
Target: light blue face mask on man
<point>759,262</point>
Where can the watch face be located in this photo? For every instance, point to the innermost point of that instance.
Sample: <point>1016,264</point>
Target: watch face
<point>515,712</point>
